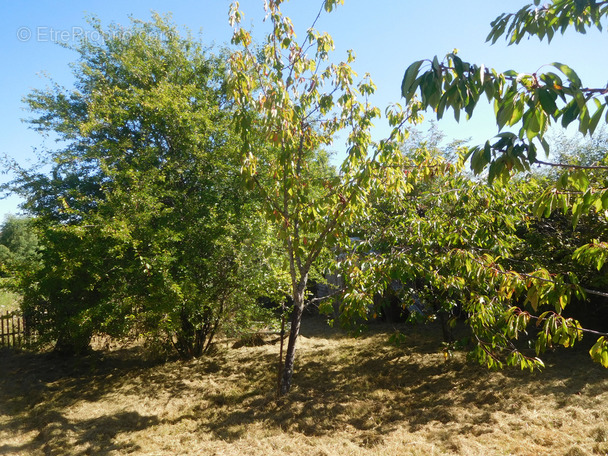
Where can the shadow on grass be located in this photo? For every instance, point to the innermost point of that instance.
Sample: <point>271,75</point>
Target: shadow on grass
<point>57,435</point>
<point>374,389</point>
<point>37,389</point>
<point>340,384</point>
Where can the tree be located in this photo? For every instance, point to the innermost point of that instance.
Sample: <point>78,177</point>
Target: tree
<point>290,106</point>
<point>145,226</point>
<point>18,244</point>
<point>531,102</point>
<point>442,247</point>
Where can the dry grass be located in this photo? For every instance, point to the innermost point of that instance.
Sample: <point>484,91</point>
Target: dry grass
<point>350,397</point>
<point>8,301</point>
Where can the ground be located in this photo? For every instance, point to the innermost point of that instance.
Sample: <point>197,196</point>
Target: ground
<point>8,301</point>
<point>350,397</point>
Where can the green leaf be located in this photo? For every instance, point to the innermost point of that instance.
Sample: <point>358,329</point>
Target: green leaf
<point>532,153</point>
<point>584,120</point>
<point>605,199</point>
<point>599,351</point>
<point>331,4</point>
<point>596,119</point>
<point>505,113</point>
<point>408,88</point>
<point>569,72</point>
<point>533,297</point>
<point>547,101</point>
<point>546,146</point>
<point>532,126</point>
<point>570,113</point>
<point>577,211</point>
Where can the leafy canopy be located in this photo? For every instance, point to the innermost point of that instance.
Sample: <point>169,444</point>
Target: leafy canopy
<point>529,103</point>
<point>145,224</point>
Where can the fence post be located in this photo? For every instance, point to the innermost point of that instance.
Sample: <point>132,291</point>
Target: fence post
<point>19,331</point>
<point>2,318</point>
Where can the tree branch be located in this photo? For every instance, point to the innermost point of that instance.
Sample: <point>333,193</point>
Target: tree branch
<point>564,165</point>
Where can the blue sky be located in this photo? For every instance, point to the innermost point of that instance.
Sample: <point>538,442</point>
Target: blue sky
<point>386,35</point>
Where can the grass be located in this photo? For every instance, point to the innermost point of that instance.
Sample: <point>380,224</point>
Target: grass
<point>350,397</point>
<point>8,301</point>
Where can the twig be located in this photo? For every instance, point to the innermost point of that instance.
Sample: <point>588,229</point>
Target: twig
<point>564,165</point>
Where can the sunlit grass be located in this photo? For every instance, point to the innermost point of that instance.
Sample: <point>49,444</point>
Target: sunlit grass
<point>350,397</point>
<point>8,301</point>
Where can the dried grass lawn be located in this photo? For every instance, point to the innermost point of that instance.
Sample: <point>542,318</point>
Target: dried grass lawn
<point>350,397</point>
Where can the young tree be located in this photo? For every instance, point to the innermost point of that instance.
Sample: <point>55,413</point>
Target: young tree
<point>292,102</point>
<point>531,102</point>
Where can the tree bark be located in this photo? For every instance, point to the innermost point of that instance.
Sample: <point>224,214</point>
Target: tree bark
<point>290,355</point>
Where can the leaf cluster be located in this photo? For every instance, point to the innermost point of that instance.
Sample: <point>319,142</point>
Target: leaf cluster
<point>547,20</point>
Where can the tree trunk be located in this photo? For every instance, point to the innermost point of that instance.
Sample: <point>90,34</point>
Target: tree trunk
<point>290,355</point>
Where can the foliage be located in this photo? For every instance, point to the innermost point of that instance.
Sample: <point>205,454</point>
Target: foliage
<point>144,223</point>
<point>68,297</point>
<point>556,235</point>
<point>292,103</point>
<point>446,244</point>
<point>18,245</point>
<point>531,103</point>
<point>545,21</point>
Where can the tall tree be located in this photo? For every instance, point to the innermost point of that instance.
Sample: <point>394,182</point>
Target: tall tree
<point>144,221</point>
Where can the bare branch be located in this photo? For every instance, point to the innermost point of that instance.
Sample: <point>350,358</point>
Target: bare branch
<point>565,165</point>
